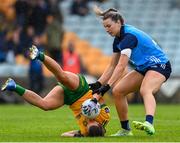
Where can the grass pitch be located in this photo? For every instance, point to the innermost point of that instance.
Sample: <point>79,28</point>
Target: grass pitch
<point>29,124</point>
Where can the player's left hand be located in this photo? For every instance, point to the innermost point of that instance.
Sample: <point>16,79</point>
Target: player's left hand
<point>95,86</point>
<point>103,89</point>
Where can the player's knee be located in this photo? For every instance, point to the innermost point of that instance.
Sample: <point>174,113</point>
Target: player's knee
<point>62,76</point>
<point>117,92</point>
<point>45,106</point>
<point>144,91</point>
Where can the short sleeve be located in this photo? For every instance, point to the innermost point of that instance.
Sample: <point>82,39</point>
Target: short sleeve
<point>115,45</point>
<point>129,41</point>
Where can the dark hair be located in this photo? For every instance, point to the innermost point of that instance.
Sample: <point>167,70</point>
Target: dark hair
<point>96,131</point>
<point>110,13</point>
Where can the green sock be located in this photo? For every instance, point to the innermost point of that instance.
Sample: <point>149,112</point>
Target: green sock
<point>41,56</point>
<point>20,90</point>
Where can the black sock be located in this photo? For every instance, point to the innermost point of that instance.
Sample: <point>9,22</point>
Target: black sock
<point>125,125</point>
<point>149,118</point>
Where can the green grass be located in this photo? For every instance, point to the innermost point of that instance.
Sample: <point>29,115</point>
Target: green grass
<point>26,123</point>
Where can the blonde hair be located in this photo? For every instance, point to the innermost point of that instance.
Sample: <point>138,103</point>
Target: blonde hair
<point>109,13</point>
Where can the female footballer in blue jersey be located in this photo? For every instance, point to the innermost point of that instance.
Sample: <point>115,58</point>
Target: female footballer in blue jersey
<point>152,69</point>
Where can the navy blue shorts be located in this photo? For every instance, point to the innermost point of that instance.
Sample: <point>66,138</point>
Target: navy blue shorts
<point>164,69</point>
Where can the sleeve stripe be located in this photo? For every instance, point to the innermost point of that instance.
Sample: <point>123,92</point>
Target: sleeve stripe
<point>126,52</point>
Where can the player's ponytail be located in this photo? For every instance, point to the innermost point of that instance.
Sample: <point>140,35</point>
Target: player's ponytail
<point>109,13</point>
<point>97,11</point>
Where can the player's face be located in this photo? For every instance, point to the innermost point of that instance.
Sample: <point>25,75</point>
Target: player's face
<point>112,27</point>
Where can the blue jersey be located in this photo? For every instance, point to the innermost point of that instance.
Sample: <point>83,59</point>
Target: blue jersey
<point>145,51</point>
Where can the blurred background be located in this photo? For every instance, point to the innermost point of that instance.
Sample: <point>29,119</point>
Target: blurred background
<point>69,32</point>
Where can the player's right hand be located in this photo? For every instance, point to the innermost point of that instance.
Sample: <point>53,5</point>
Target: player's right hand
<point>95,86</point>
<point>33,52</point>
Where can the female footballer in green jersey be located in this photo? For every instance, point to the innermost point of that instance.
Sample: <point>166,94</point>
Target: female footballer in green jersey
<point>71,90</point>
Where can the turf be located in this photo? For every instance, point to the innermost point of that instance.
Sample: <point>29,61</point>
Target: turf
<point>30,124</point>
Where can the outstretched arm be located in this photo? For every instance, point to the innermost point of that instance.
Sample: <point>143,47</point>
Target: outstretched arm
<point>74,133</point>
<point>106,74</point>
<point>118,73</point>
<point>119,70</point>
<point>109,70</point>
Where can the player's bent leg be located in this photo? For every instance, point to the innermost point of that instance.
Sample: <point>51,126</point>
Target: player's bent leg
<point>125,86</point>
<point>68,79</point>
<point>144,126</point>
<point>53,100</point>
<point>150,85</point>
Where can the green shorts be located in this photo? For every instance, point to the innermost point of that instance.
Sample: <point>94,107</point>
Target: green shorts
<point>71,96</point>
